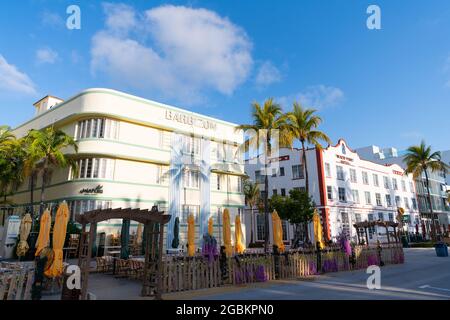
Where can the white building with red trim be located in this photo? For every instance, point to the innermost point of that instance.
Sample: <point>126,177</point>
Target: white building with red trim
<point>345,188</point>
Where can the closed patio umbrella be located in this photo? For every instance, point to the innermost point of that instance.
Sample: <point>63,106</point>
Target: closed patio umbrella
<point>318,236</point>
<point>191,235</point>
<point>417,228</point>
<point>211,226</point>
<point>44,232</point>
<point>24,232</point>
<point>240,247</point>
<point>424,230</point>
<point>139,234</point>
<point>227,233</point>
<point>59,237</point>
<point>125,239</point>
<point>176,233</point>
<point>277,231</point>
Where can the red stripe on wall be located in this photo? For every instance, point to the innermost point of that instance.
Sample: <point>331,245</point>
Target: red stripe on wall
<point>323,191</point>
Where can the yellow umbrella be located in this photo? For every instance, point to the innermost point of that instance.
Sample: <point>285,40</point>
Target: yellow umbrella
<point>210,227</point>
<point>191,235</point>
<point>240,248</point>
<point>139,234</point>
<point>59,236</point>
<point>277,231</point>
<point>44,232</point>
<point>227,233</point>
<point>24,232</point>
<point>318,235</point>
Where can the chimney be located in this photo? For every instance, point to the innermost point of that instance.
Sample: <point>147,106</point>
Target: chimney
<point>46,103</point>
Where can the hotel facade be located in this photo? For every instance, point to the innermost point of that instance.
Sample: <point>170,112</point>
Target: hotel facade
<point>137,153</point>
<point>345,189</point>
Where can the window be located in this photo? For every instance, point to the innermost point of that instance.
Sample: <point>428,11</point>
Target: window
<point>260,227</point>
<point>391,216</point>
<point>394,184</point>
<point>258,177</point>
<point>411,187</point>
<point>274,192</point>
<point>355,195</point>
<point>283,192</point>
<point>388,200</point>
<point>386,182</point>
<point>403,185</point>
<point>327,170</point>
<point>274,172</point>
<point>368,199</point>
<point>342,197</point>
<point>297,172</point>
<point>357,217</point>
<point>191,179</point>
<point>340,172</point>
<point>191,145</point>
<point>370,217</point>
<point>380,216</point>
<point>281,171</point>
<point>405,200</point>
<point>365,177</point>
<point>345,224</point>
<point>378,199</point>
<point>376,183</point>
<point>239,184</point>
<point>82,206</point>
<point>187,210</point>
<point>330,193</point>
<point>97,128</point>
<point>398,201</point>
<point>414,203</point>
<point>353,177</point>
<point>95,168</point>
<point>220,151</point>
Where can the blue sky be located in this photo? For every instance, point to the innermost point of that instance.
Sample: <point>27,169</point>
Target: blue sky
<point>388,87</point>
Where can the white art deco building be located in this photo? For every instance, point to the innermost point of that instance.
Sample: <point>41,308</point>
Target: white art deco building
<point>138,153</point>
<point>345,188</point>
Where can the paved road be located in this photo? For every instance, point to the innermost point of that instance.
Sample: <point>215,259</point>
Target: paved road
<point>423,276</point>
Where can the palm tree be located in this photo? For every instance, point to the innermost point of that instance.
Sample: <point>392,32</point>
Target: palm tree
<point>12,159</point>
<point>6,137</point>
<point>46,152</point>
<point>304,123</point>
<point>268,118</point>
<point>419,160</point>
<point>251,192</point>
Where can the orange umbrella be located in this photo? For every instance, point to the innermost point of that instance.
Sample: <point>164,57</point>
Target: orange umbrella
<point>240,248</point>
<point>59,237</point>
<point>227,233</point>
<point>277,231</point>
<point>44,232</point>
<point>191,235</point>
<point>210,227</point>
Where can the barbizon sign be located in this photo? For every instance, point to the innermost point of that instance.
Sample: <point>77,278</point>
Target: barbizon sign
<point>97,190</point>
<point>190,120</point>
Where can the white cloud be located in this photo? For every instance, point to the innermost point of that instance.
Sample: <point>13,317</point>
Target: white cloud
<point>267,74</point>
<point>11,79</point>
<point>318,97</point>
<point>46,55</point>
<point>177,51</point>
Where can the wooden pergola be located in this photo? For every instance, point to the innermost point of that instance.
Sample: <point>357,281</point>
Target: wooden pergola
<point>369,224</point>
<point>153,220</point>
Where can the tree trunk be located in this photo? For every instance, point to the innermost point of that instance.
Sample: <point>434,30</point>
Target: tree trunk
<point>32,177</point>
<point>41,203</point>
<point>305,167</point>
<point>429,198</point>
<point>266,195</point>
<point>252,225</point>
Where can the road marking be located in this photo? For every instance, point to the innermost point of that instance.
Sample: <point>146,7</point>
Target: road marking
<point>435,288</point>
